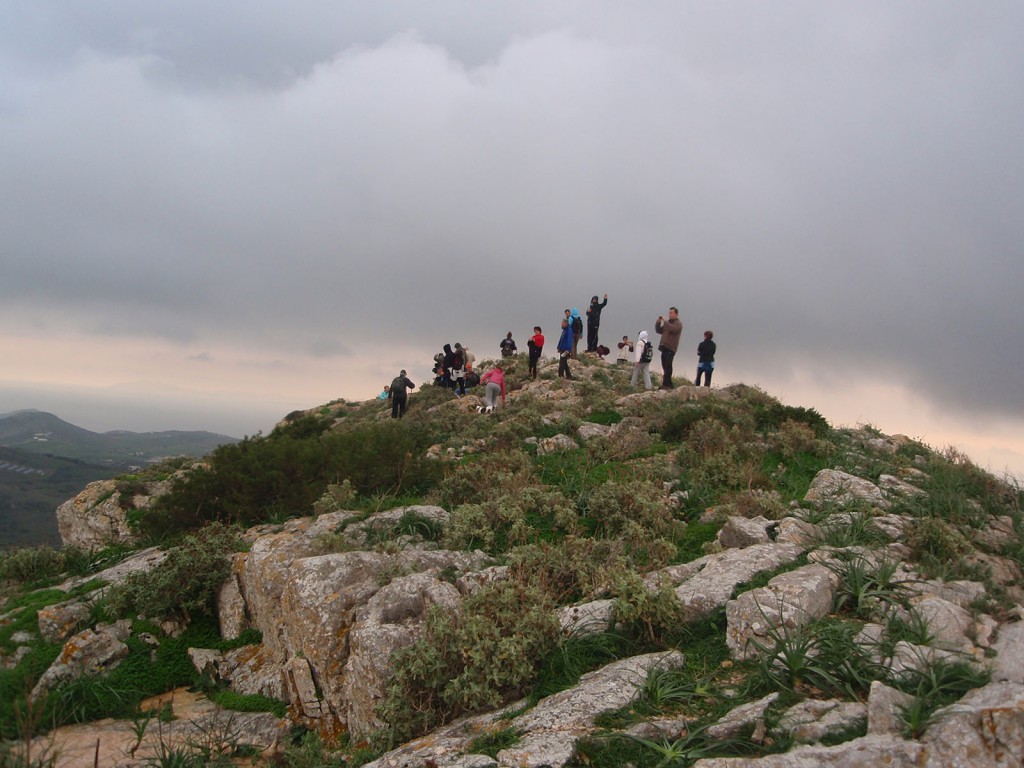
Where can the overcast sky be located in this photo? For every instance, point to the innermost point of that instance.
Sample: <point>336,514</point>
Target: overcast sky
<point>214,214</point>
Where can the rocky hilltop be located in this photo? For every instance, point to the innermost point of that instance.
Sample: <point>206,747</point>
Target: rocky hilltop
<point>588,576</point>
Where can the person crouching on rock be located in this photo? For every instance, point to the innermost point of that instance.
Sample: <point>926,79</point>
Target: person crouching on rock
<point>494,385</point>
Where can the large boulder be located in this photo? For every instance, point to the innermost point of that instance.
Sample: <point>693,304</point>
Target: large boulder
<point>94,518</point>
<point>708,582</point>
<point>316,606</point>
<point>98,516</point>
<point>842,488</point>
<point>90,652</point>
<point>392,619</point>
<point>789,601</point>
<point>985,729</point>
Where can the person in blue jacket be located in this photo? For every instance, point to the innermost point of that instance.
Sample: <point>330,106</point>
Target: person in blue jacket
<point>564,348</point>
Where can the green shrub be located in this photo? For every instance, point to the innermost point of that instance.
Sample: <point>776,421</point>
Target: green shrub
<point>485,477</point>
<point>574,568</point>
<point>498,524</point>
<point>186,582</point>
<point>284,474</point>
<point>486,654</point>
<point>771,416</point>
<point>654,613</point>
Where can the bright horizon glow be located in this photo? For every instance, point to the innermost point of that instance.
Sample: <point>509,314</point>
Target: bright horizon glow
<point>131,385</point>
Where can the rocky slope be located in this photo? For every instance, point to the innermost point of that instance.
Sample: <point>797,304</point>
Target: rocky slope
<point>829,605</point>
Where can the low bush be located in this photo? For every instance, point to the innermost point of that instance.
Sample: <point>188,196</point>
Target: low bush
<point>284,474</point>
<point>481,657</point>
<point>185,583</point>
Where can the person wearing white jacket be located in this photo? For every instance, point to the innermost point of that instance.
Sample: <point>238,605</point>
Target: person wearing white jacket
<point>642,360</point>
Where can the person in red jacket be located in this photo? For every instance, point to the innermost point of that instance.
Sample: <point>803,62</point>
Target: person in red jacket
<point>536,346</point>
<point>494,384</point>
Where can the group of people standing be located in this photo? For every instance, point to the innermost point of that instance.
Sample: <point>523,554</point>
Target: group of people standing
<point>454,366</point>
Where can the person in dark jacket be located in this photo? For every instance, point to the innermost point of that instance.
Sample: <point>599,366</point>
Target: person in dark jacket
<point>564,351</point>
<point>398,394</point>
<point>706,359</point>
<point>593,321</point>
<point>536,347</point>
<point>670,331</point>
<point>447,364</point>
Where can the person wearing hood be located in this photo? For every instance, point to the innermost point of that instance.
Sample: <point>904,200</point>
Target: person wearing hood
<point>398,394</point>
<point>642,361</point>
<point>576,326</point>
<point>593,321</point>
<point>448,364</point>
<point>508,345</point>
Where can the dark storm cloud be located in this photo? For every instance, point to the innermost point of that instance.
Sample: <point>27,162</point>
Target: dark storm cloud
<point>830,187</point>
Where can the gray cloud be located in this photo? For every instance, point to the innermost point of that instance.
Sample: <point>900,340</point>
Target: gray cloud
<point>834,187</point>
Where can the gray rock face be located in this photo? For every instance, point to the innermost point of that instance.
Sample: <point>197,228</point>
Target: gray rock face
<point>985,729</point>
<point>789,600</point>
<point>743,720</point>
<point>321,608</point>
<point>588,431</point>
<point>90,652</point>
<point>1009,646</point>
<point>842,488</point>
<point>867,752</point>
<point>884,704</point>
<point>811,721</point>
<point>587,618</point>
<point>556,444</point>
<point>551,728</point>
<point>59,621</point>
<point>708,582</point>
<point>950,625</point>
<point>739,532</point>
<point>391,619</point>
<point>96,517</point>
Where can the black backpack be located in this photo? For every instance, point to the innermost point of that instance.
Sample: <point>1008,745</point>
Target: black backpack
<point>648,354</point>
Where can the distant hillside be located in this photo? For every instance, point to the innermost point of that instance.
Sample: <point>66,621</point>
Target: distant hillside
<point>45,460</point>
<point>43,433</point>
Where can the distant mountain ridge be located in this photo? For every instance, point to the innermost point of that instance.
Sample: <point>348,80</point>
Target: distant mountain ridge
<point>41,432</point>
<point>45,460</point>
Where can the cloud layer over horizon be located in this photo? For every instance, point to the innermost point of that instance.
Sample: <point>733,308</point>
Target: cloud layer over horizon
<point>835,189</point>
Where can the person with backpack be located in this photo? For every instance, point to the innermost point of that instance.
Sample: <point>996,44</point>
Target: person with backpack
<point>644,355</point>
<point>508,345</point>
<point>594,321</point>
<point>398,394</point>
<point>458,372</point>
<point>536,347</point>
<point>576,326</point>
<point>564,351</point>
<point>706,359</point>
